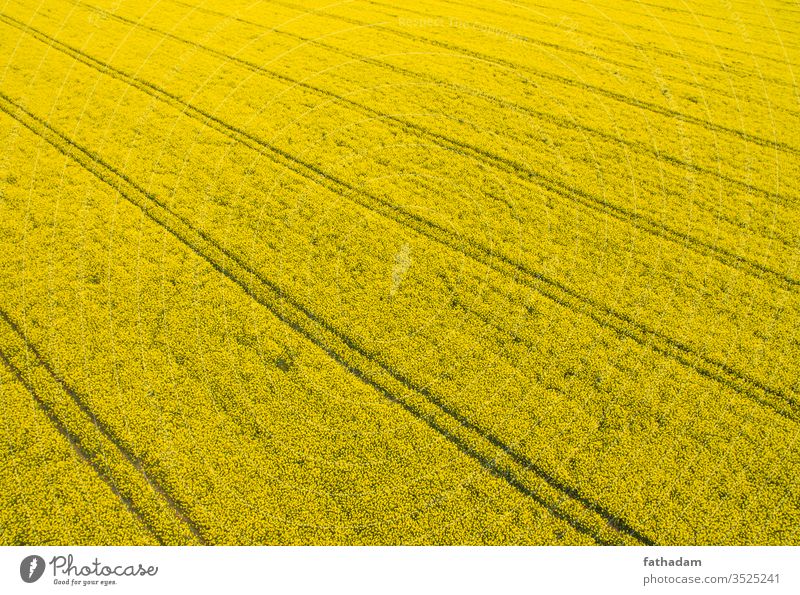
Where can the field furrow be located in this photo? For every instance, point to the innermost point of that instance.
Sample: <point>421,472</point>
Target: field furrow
<point>313,273</point>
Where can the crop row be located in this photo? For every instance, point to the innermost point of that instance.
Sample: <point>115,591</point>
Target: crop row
<point>518,235</point>
<point>293,259</point>
<point>262,437</point>
<point>151,49</point>
<point>51,493</point>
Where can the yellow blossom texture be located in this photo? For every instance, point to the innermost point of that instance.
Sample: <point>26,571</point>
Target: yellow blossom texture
<point>441,272</point>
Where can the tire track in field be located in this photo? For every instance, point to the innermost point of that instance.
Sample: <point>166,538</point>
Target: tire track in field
<point>571,299</point>
<point>594,89</point>
<point>672,36</point>
<point>636,146</point>
<point>529,177</point>
<point>644,76</point>
<point>597,57</point>
<point>703,5</point>
<point>792,10</point>
<point>774,399</point>
<point>656,49</point>
<point>559,498</point>
<point>75,442</point>
<point>94,442</point>
<point>592,57</point>
<point>694,14</point>
<point>703,28</point>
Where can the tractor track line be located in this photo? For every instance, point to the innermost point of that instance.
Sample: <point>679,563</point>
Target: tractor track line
<point>88,415</point>
<point>536,179</point>
<point>636,146</point>
<point>591,58</point>
<point>553,289</point>
<point>568,82</point>
<point>600,58</point>
<point>75,442</point>
<point>703,28</point>
<point>491,452</point>
<point>81,402</point>
<point>656,49</point>
<point>702,15</point>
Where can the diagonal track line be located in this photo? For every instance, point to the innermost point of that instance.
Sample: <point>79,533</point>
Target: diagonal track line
<point>509,166</point>
<point>75,442</point>
<point>704,28</point>
<point>560,499</point>
<point>597,57</point>
<point>594,89</point>
<point>521,172</point>
<point>636,146</point>
<point>695,14</point>
<point>69,412</point>
<point>775,399</point>
<point>655,48</point>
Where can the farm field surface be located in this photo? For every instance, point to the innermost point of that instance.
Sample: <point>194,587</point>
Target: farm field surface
<point>511,272</point>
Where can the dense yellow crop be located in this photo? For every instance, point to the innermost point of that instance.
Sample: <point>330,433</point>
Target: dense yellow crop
<point>457,272</point>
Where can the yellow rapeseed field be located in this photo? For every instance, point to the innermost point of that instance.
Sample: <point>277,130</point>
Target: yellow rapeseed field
<point>448,272</point>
